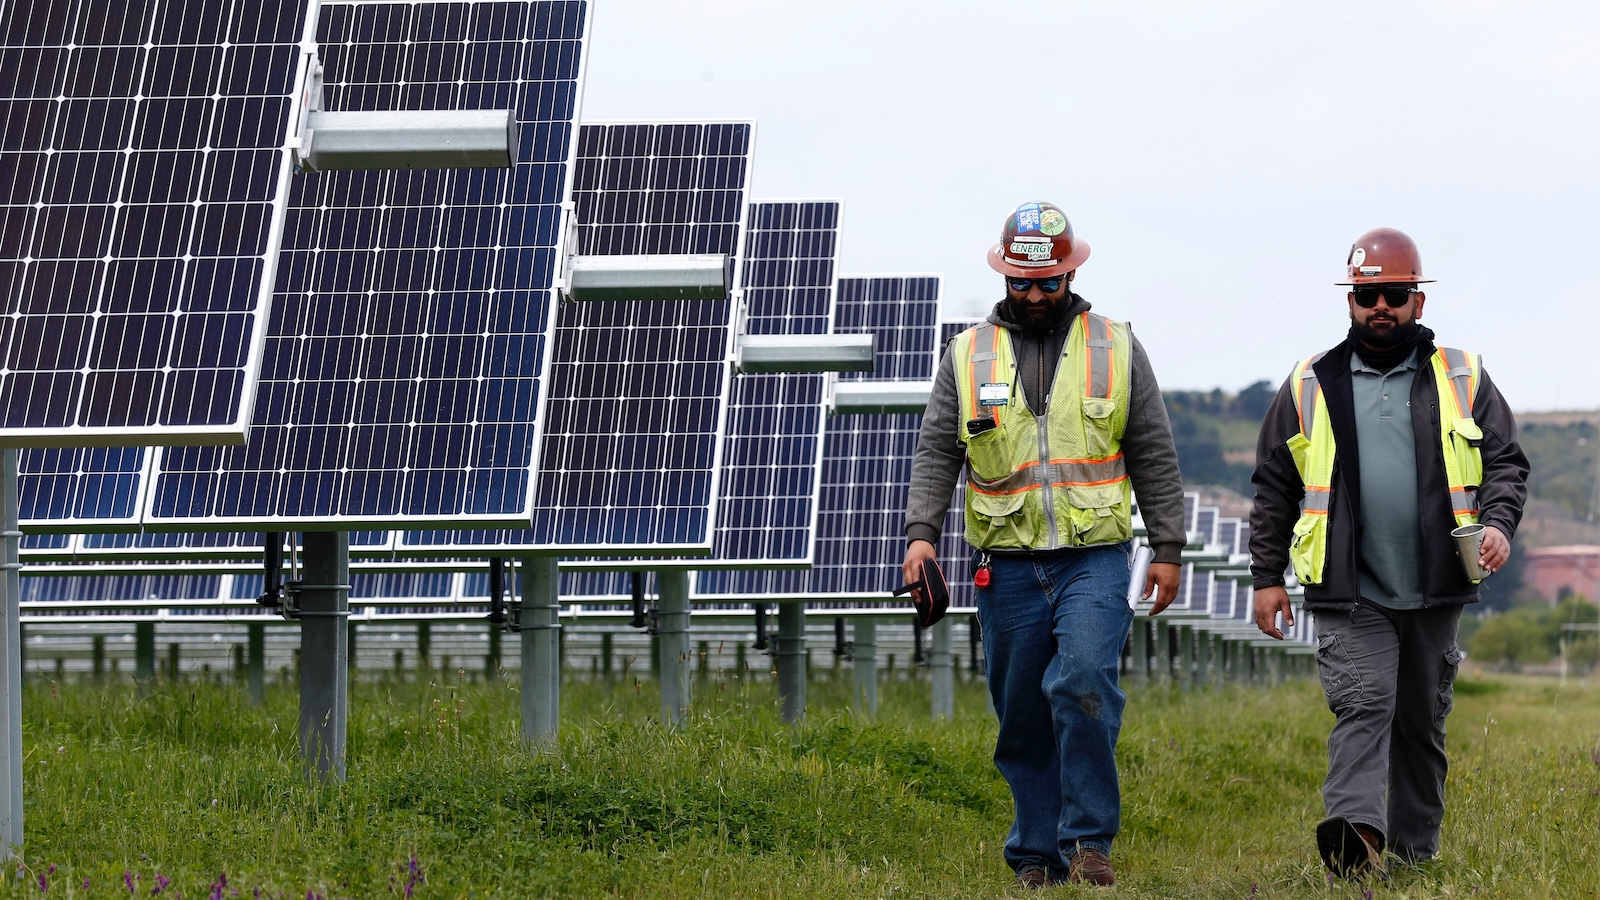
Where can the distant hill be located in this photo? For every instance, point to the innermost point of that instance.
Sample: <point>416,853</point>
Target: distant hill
<point>1216,436</point>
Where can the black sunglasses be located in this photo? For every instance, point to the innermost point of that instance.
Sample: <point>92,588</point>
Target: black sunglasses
<point>1048,285</point>
<point>1395,296</point>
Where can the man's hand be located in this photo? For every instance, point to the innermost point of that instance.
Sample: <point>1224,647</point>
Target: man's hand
<point>1494,551</point>
<point>1163,579</point>
<point>916,552</point>
<point>1270,601</point>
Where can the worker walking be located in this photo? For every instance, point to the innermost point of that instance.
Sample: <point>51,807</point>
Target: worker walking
<point>1056,416</point>
<point>1370,455</point>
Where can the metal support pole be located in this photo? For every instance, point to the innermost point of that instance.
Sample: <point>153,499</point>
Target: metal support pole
<point>1163,650</point>
<point>864,660</point>
<point>1140,661</point>
<point>424,646</point>
<point>541,659</point>
<point>606,644</point>
<point>1202,657</point>
<point>144,652</point>
<point>97,650</point>
<point>491,662</point>
<point>672,630</point>
<point>256,661</point>
<point>350,647</point>
<point>941,668</point>
<point>324,605</point>
<point>792,661</point>
<point>1185,657</point>
<point>11,660</point>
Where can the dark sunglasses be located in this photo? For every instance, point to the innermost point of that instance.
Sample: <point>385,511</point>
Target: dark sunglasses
<point>1048,285</point>
<point>1395,296</point>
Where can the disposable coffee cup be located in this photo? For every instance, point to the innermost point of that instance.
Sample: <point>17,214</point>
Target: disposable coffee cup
<point>1469,544</point>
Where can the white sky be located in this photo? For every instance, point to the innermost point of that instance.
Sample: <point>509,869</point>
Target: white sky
<point>1219,157</point>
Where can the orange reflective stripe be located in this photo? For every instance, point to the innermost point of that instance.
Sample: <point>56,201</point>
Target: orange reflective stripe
<point>1116,480</point>
<point>994,359</point>
<point>1460,368</point>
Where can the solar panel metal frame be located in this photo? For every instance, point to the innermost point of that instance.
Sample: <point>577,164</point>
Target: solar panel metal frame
<point>149,521</point>
<point>233,432</point>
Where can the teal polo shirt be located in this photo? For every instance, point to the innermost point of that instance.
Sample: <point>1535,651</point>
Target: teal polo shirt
<point>1390,560</point>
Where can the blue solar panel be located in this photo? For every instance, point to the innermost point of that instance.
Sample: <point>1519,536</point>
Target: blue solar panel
<point>866,464</point>
<point>144,166</point>
<point>406,351</point>
<point>638,390</point>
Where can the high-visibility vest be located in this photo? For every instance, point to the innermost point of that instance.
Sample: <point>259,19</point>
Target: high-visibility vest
<point>1456,374</point>
<point>1059,481</point>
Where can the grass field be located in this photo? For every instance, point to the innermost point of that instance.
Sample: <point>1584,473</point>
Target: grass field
<point>188,790</point>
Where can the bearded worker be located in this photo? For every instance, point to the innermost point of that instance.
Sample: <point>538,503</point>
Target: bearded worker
<point>1056,416</point>
<point>1370,455</point>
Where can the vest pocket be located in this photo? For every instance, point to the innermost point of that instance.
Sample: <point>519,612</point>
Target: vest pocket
<point>1095,513</point>
<point>997,520</point>
<point>1465,439</point>
<point>1097,412</point>
<point>1309,548</point>
<point>989,454</point>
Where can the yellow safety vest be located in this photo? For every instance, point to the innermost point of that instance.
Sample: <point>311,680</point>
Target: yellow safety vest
<point>1060,481</point>
<point>1456,374</point>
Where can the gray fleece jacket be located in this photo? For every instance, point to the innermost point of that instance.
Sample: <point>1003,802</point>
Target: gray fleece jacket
<point>1147,447</point>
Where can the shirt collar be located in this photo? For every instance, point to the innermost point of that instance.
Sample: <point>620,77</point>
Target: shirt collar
<point>1356,365</point>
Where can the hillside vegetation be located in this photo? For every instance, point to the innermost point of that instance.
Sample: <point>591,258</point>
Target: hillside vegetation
<point>1216,434</point>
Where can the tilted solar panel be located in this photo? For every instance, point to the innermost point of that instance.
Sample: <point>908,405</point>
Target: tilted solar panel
<point>407,349</point>
<point>866,458</point>
<point>638,389</point>
<point>145,158</point>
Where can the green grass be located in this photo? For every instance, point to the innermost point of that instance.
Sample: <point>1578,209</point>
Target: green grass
<point>1220,793</point>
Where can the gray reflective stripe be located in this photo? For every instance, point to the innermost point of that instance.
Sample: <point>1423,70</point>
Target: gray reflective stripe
<point>1063,474</point>
<point>983,336</point>
<point>984,356</point>
<point>1317,501</point>
<point>1462,499</point>
<point>1308,400</point>
<point>1458,368</point>
<point>1098,337</point>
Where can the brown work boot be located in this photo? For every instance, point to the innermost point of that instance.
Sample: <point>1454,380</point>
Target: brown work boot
<point>1089,866</point>
<point>1033,877</point>
<point>1350,850</point>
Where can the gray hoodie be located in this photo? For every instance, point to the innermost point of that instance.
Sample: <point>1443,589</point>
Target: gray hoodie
<point>1147,446</point>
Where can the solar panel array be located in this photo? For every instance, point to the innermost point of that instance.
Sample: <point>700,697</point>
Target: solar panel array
<point>144,161</point>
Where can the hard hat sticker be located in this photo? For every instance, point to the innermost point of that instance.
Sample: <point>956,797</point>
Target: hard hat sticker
<point>993,394</point>
<point>1031,251</point>
<point>1372,270</point>
<point>1052,222</point>
<point>1028,217</point>
<point>1358,256</point>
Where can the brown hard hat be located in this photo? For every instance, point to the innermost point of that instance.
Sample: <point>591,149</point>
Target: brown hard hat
<point>1037,242</point>
<point>1384,256</point>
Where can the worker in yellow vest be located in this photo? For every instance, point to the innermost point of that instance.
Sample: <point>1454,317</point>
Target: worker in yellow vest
<point>1055,415</point>
<point>1370,455</point>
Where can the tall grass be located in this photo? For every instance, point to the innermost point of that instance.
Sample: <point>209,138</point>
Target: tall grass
<point>179,786</point>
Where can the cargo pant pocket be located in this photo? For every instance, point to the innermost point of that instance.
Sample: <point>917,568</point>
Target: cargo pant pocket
<point>1340,680</point>
<point>1447,685</point>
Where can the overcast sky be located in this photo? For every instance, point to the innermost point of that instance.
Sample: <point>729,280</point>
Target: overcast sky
<point>1219,157</point>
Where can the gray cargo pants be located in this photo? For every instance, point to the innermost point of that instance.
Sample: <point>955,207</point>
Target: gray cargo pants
<point>1389,676</point>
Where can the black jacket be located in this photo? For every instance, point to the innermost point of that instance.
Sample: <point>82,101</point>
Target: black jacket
<point>1279,490</point>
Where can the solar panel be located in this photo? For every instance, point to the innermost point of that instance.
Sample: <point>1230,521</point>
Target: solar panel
<point>638,389</point>
<point>866,458</point>
<point>144,165</point>
<point>955,555</point>
<point>406,354</point>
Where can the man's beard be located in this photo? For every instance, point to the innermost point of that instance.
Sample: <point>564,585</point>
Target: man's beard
<point>1044,324</point>
<point>1384,340</point>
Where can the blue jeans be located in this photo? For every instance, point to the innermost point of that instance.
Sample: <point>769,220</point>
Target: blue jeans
<point>1053,631</point>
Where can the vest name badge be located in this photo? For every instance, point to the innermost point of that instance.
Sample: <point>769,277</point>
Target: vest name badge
<point>993,394</point>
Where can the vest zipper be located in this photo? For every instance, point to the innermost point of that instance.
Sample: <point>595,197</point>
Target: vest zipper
<point>1044,455</point>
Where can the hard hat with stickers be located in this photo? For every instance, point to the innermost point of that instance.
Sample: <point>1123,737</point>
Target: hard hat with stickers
<point>1384,256</point>
<point>1037,242</point>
